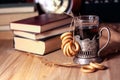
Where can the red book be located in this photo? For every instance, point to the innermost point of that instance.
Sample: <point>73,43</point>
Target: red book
<point>41,23</point>
<point>43,35</point>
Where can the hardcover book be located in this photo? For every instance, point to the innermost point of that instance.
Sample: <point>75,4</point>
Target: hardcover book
<point>40,47</point>
<point>46,34</point>
<point>41,23</point>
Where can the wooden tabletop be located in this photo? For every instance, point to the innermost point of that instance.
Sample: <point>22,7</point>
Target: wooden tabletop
<point>18,65</point>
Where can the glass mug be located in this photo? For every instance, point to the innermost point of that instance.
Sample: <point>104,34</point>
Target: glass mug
<point>87,34</point>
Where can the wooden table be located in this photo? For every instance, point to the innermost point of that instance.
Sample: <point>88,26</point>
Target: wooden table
<point>18,65</point>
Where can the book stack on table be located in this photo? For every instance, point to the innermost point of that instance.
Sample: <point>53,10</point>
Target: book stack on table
<point>40,34</point>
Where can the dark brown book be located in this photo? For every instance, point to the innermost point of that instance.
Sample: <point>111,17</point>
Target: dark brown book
<point>41,23</point>
<point>46,34</point>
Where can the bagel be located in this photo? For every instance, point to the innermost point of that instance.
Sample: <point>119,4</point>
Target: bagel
<point>65,49</point>
<point>65,42</point>
<point>69,54</point>
<point>67,37</point>
<point>65,34</point>
<point>74,47</point>
<point>69,47</point>
<point>92,67</point>
<point>97,65</point>
<point>87,69</point>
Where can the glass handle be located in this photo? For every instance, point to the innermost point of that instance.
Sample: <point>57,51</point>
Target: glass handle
<point>108,40</point>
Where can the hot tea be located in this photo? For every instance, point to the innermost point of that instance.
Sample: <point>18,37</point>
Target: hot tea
<point>87,34</point>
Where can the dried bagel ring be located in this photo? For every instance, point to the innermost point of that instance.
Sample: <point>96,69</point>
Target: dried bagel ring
<point>97,65</point>
<point>74,47</point>
<point>69,54</point>
<point>65,34</point>
<point>65,49</point>
<point>69,47</point>
<point>67,37</point>
<point>64,42</point>
<point>87,69</point>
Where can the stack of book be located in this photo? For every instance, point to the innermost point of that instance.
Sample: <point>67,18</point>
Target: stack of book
<point>15,11</point>
<point>40,34</point>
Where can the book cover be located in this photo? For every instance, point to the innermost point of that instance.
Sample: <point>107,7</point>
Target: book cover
<point>17,8</point>
<point>46,34</point>
<point>41,23</point>
<point>6,19</point>
<point>40,47</point>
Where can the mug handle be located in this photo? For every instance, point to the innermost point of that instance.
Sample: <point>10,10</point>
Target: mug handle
<point>100,34</point>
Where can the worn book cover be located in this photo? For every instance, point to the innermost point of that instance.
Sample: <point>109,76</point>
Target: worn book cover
<point>41,23</point>
<point>46,34</point>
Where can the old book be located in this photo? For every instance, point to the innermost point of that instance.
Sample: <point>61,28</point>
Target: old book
<point>37,46</point>
<point>41,23</point>
<point>46,34</point>
<point>17,8</point>
<point>5,19</point>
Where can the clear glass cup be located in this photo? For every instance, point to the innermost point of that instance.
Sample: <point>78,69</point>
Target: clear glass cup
<point>87,33</point>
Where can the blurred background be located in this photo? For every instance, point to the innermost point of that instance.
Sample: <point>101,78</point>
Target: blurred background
<point>107,10</point>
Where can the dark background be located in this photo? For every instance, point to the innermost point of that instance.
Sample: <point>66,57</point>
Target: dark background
<point>107,11</point>
<point>14,1</point>
<point>11,1</point>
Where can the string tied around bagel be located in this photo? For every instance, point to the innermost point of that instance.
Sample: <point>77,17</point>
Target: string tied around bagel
<point>69,45</point>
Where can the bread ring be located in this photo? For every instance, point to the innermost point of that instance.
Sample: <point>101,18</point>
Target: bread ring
<point>64,42</point>
<point>67,37</point>
<point>69,47</point>
<point>97,65</point>
<point>65,49</point>
<point>87,69</point>
<point>69,54</point>
<point>65,34</point>
<point>74,47</point>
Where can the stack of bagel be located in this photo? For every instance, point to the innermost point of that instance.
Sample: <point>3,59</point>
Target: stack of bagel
<point>70,48</point>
